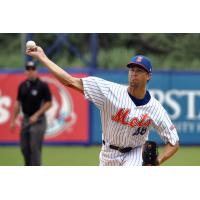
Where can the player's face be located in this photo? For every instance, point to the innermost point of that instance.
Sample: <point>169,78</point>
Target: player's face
<point>138,77</point>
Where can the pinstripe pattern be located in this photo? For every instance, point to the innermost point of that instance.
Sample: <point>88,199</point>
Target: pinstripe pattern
<point>123,123</point>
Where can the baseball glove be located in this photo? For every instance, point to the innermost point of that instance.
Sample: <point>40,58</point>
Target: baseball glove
<point>150,154</point>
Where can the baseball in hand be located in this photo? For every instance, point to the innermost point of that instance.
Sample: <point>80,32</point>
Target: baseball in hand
<point>30,45</point>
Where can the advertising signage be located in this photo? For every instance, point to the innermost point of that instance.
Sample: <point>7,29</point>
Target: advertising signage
<point>67,119</point>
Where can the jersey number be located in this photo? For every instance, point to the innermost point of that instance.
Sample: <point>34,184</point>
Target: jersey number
<point>140,131</point>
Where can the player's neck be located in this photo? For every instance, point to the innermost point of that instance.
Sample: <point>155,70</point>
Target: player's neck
<point>138,93</point>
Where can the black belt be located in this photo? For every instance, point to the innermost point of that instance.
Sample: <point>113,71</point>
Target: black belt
<point>122,150</point>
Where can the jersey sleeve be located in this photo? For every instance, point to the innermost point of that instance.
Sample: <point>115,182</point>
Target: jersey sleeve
<point>96,90</point>
<point>46,92</point>
<point>166,129</point>
<point>19,94</point>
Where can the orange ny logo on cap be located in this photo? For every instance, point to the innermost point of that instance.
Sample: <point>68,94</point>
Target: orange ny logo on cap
<point>139,59</point>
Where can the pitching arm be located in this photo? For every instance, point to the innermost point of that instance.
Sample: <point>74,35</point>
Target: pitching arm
<point>64,77</point>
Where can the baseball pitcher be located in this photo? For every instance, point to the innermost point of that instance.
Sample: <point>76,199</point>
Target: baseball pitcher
<point>128,113</point>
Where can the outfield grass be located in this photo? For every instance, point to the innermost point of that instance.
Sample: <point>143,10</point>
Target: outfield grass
<point>87,156</point>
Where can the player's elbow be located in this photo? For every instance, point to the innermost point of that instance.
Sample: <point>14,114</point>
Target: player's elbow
<point>176,147</point>
<point>173,147</point>
<point>69,81</point>
<point>77,84</point>
<point>48,105</point>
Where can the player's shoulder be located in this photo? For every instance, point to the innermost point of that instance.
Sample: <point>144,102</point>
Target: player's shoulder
<point>154,102</point>
<point>42,83</point>
<point>98,80</point>
<point>157,107</point>
<point>94,78</point>
<point>104,84</point>
<point>23,83</point>
<point>119,87</point>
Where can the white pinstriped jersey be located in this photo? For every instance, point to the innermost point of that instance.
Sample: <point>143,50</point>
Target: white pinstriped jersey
<point>123,123</point>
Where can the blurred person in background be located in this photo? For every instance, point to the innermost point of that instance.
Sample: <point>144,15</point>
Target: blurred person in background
<point>34,98</point>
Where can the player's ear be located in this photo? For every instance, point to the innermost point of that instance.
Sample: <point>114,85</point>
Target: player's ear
<point>149,77</point>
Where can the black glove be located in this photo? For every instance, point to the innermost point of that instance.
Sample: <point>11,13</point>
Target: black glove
<point>150,154</point>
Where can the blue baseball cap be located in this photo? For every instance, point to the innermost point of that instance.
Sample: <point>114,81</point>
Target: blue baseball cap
<point>141,61</point>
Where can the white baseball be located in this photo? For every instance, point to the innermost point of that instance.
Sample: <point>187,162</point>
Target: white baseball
<point>30,44</point>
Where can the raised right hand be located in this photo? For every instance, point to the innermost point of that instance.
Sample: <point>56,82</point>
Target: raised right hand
<point>37,53</point>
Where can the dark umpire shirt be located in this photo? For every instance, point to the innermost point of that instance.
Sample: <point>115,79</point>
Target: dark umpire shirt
<point>32,94</point>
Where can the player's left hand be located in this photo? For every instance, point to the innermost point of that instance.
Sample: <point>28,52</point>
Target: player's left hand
<point>33,119</point>
<point>150,154</point>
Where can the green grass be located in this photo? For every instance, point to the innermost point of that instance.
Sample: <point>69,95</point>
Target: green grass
<point>87,156</point>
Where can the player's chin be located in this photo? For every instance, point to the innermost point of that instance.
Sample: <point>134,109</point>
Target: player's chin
<point>134,84</point>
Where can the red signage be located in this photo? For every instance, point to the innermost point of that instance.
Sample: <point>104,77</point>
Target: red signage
<point>67,119</point>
